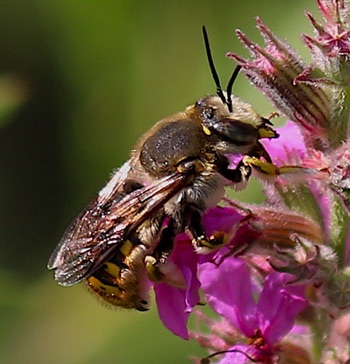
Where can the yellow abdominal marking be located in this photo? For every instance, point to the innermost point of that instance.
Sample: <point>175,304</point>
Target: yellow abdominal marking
<point>112,269</point>
<point>102,288</point>
<point>126,248</point>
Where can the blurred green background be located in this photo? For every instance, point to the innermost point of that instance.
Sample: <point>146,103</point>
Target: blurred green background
<point>79,82</point>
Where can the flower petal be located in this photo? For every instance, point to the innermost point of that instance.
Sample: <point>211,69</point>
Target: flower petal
<point>221,219</point>
<point>171,308</point>
<point>290,148</point>
<point>239,354</point>
<point>174,303</point>
<point>229,291</point>
<point>278,306</point>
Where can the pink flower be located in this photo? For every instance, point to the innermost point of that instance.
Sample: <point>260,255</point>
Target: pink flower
<point>299,240</point>
<point>230,292</point>
<point>176,303</point>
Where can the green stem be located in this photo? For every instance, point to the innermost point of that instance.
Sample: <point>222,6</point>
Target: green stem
<point>318,329</point>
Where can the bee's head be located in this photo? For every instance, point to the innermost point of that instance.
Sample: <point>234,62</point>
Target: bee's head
<point>235,131</point>
<point>230,121</point>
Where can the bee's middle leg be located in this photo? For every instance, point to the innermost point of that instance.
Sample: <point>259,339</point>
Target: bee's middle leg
<point>200,240</point>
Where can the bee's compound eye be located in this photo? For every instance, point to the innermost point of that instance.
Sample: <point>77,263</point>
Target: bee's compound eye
<point>236,132</point>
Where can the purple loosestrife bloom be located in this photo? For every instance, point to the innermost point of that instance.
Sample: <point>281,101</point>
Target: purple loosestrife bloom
<point>176,302</point>
<point>230,291</point>
<point>303,229</point>
<point>178,293</point>
<point>287,259</point>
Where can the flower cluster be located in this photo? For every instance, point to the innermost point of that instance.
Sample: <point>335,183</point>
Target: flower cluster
<point>281,284</point>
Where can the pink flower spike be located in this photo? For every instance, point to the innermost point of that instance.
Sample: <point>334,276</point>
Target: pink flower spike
<point>274,69</point>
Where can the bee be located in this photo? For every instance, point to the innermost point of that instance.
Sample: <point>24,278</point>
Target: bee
<point>177,170</point>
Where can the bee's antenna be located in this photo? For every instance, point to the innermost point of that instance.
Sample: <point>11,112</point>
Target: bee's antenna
<point>229,86</point>
<point>212,67</point>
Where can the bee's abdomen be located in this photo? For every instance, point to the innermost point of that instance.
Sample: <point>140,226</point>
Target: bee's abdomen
<point>120,281</point>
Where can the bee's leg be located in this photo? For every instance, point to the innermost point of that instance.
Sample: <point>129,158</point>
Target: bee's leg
<point>268,169</point>
<point>262,166</point>
<point>238,175</point>
<point>265,168</point>
<point>162,251</point>
<point>200,240</point>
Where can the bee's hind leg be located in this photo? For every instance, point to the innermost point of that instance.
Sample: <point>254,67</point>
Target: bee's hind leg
<point>158,265</point>
<point>156,261</point>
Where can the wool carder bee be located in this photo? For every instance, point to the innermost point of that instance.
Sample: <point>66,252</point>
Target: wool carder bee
<point>177,170</point>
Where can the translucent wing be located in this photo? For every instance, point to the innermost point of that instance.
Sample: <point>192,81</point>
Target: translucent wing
<point>76,234</point>
<point>106,222</point>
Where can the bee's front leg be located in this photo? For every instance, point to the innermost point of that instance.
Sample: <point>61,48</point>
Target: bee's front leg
<point>268,170</point>
<point>238,175</point>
